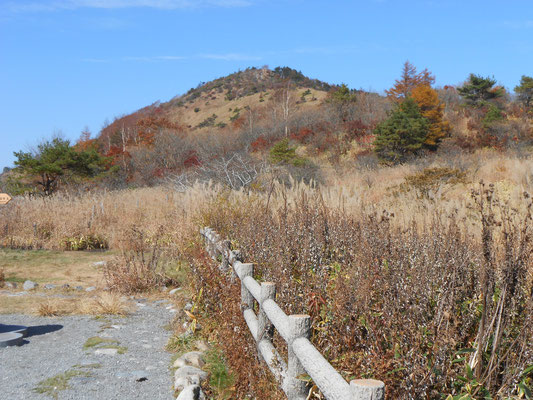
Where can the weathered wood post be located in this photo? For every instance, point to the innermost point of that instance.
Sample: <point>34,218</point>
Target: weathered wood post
<point>299,326</point>
<point>247,300</point>
<point>216,239</point>
<point>234,256</point>
<point>212,244</point>
<point>268,291</point>
<point>367,389</point>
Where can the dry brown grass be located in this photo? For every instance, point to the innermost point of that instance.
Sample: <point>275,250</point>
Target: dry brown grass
<point>57,267</point>
<point>46,223</point>
<point>410,295</point>
<point>107,303</point>
<point>220,106</point>
<point>51,308</point>
<point>391,300</point>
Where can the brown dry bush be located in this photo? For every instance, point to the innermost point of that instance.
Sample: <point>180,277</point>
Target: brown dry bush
<point>49,308</point>
<point>104,304</point>
<point>412,304</point>
<point>139,267</point>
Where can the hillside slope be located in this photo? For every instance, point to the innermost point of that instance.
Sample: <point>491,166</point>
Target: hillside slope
<point>221,102</point>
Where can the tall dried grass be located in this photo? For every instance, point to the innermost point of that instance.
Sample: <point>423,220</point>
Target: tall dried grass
<point>107,303</point>
<point>407,277</point>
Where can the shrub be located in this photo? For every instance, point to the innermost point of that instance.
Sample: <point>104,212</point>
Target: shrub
<point>492,115</point>
<point>85,242</point>
<point>283,153</point>
<point>402,134</point>
<point>209,121</point>
<point>399,302</point>
<point>431,179</point>
<point>139,267</point>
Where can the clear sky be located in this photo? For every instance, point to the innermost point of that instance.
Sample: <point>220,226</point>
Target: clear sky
<point>67,64</point>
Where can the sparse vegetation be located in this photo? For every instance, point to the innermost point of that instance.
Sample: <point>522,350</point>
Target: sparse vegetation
<point>52,386</point>
<point>107,303</point>
<point>220,379</point>
<point>97,342</point>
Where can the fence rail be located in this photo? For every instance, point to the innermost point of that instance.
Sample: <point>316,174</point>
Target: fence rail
<point>303,357</point>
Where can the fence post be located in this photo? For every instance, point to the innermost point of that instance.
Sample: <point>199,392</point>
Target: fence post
<point>299,326</point>
<point>268,291</point>
<point>247,300</point>
<point>367,389</point>
<point>211,243</point>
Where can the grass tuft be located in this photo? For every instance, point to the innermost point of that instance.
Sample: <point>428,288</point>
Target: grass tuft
<point>52,386</point>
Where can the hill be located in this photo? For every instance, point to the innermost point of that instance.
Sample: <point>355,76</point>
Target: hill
<point>220,103</point>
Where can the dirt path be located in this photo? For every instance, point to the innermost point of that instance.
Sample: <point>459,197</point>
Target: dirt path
<point>83,357</point>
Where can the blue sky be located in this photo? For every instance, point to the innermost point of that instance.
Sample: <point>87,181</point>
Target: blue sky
<point>67,64</point>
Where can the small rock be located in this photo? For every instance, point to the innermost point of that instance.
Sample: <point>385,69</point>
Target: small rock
<point>141,305</point>
<point>11,285</point>
<point>193,392</point>
<point>109,352</point>
<point>172,310</point>
<point>65,286</point>
<point>201,345</point>
<point>147,346</point>
<point>99,264</point>
<point>29,285</point>
<point>90,289</point>
<point>116,326</point>
<point>174,291</point>
<point>188,307</point>
<point>50,286</point>
<point>150,368</point>
<point>184,381</point>
<point>80,288</point>
<point>192,358</point>
<point>190,371</point>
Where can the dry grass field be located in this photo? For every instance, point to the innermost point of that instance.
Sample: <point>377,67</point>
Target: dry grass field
<point>54,267</point>
<point>428,269</point>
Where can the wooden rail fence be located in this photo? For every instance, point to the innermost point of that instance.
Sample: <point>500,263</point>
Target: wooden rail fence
<point>303,357</point>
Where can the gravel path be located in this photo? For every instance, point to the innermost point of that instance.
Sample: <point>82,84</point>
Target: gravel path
<point>54,349</point>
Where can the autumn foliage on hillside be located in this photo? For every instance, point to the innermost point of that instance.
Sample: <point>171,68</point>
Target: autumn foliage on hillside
<point>329,125</point>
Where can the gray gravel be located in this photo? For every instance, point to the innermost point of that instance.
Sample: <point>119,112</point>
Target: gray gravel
<point>55,346</point>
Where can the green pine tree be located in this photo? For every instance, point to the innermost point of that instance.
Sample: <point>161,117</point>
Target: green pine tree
<point>478,90</point>
<point>525,90</point>
<point>402,134</point>
<point>283,153</point>
<point>56,161</point>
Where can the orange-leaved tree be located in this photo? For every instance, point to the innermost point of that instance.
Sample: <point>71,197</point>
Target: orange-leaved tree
<point>432,109</point>
<point>409,80</point>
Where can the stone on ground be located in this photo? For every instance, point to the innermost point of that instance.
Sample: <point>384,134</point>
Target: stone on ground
<point>193,392</point>
<point>29,285</point>
<point>188,375</point>
<point>109,352</point>
<point>193,358</point>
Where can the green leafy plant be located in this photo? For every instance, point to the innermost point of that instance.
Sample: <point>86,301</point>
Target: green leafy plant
<point>283,153</point>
